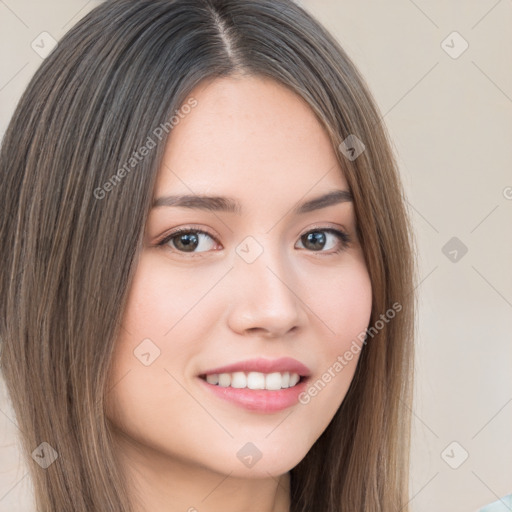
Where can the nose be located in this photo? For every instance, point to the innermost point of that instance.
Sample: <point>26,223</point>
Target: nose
<point>266,298</point>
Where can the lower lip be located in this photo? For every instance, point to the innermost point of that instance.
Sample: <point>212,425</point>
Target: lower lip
<point>259,400</point>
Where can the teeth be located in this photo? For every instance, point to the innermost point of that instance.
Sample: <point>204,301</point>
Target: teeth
<point>294,378</point>
<point>212,379</point>
<point>238,380</point>
<point>254,380</point>
<point>273,381</point>
<point>224,380</point>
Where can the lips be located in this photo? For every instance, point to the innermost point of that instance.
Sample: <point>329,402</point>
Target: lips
<point>259,385</point>
<point>283,364</point>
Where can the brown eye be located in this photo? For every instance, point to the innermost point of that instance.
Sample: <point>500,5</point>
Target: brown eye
<point>197,241</point>
<point>316,240</point>
<point>188,240</point>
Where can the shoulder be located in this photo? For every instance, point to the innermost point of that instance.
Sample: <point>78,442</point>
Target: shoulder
<point>502,505</point>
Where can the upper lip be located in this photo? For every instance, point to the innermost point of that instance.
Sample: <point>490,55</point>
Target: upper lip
<point>283,364</point>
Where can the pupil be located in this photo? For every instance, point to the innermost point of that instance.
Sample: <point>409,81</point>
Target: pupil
<point>188,242</point>
<point>315,238</point>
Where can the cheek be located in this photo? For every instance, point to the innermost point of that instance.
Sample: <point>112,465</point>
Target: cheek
<point>350,321</point>
<point>162,302</point>
<point>343,303</point>
<point>161,333</point>
<point>152,349</point>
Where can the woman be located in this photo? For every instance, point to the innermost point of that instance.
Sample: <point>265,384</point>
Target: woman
<point>208,277</point>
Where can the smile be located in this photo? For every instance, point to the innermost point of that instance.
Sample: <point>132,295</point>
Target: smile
<point>253,380</point>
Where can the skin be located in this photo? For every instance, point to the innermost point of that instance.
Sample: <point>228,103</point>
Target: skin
<point>254,140</point>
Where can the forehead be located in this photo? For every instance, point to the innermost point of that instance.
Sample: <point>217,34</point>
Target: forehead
<point>248,137</point>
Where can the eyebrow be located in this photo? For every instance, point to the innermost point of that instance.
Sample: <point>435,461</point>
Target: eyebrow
<point>230,205</point>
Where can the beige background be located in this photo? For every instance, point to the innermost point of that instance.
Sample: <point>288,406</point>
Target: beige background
<point>450,119</point>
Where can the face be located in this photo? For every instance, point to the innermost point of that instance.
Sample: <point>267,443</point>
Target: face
<point>259,295</point>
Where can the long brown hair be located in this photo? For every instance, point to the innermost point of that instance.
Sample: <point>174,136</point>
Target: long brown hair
<point>72,227</point>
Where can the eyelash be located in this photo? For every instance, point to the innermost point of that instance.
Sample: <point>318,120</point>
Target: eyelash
<point>343,237</point>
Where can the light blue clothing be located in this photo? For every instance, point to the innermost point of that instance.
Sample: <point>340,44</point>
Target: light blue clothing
<point>503,505</point>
